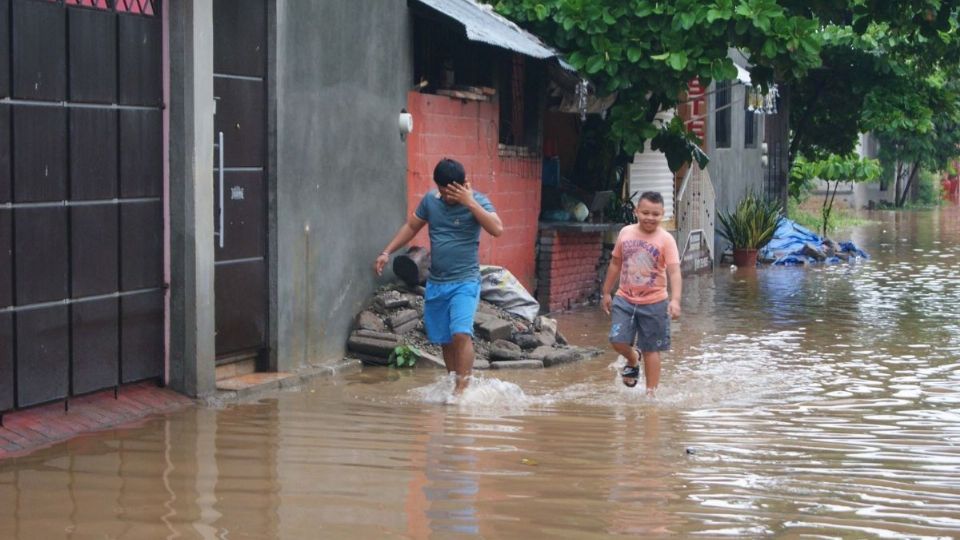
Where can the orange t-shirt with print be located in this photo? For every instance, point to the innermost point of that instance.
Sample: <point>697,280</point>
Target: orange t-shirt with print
<point>643,273</point>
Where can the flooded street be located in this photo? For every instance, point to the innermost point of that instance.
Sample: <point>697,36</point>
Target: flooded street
<point>820,402</point>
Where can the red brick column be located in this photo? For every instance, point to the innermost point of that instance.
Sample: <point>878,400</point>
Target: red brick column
<point>567,270</point>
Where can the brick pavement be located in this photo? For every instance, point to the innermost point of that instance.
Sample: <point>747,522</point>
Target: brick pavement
<point>37,427</point>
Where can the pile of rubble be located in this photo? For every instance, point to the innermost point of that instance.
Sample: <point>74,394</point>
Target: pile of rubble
<point>501,340</point>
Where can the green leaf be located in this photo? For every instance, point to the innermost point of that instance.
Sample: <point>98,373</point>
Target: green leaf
<point>714,14</point>
<point>677,60</point>
<point>633,54</point>
<point>594,64</point>
<point>769,48</point>
<point>541,11</point>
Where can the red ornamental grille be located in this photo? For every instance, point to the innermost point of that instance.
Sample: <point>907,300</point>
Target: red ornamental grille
<point>135,7</point>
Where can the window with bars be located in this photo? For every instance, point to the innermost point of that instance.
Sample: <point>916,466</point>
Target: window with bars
<point>722,115</point>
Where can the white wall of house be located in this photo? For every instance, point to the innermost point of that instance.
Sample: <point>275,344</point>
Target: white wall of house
<point>649,172</point>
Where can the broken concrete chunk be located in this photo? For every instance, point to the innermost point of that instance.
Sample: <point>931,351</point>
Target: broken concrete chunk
<point>560,356</point>
<point>539,353</point>
<point>407,326</point>
<point>383,336</point>
<point>505,350</point>
<point>548,327</point>
<point>494,329</point>
<point>391,300</point>
<point>425,359</point>
<point>370,359</point>
<point>545,338</point>
<point>486,309</point>
<point>481,317</point>
<point>372,346</point>
<point>402,318</point>
<point>527,341</point>
<point>368,320</point>
<point>517,364</point>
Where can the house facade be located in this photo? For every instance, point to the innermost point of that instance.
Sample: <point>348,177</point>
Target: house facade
<point>184,186</point>
<point>192,189</point>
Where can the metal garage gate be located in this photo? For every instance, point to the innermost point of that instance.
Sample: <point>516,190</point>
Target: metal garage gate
<point>81,185</point>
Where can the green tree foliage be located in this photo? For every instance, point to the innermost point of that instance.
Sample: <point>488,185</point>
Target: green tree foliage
<point>846,66</point>
<point>648,51</point>
<point>890,78</point>
<point>833,169</point>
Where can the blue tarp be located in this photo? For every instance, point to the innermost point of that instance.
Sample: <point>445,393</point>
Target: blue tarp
<point>795,244</point>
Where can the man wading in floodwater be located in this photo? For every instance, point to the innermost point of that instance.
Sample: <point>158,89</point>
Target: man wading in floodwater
<point>643,257</point>
<point>455,214</point>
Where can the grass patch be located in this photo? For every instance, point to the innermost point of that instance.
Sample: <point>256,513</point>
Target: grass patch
<point>840,218</point>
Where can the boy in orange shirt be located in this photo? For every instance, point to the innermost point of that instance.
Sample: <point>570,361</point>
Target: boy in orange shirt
<point>644,257</point>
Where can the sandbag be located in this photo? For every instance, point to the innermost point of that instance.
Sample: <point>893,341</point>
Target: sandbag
<point>499,287</point>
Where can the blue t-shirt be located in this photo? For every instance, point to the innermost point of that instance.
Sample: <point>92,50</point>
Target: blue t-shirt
<point>454,237</point>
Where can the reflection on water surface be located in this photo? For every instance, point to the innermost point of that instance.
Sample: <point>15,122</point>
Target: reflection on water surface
<point>820,402</point>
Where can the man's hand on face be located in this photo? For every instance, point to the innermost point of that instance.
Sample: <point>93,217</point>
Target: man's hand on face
<point>458,193</point>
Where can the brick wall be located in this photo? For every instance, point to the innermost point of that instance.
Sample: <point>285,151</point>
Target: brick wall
<point>567,270</point>
<point>468,132</point>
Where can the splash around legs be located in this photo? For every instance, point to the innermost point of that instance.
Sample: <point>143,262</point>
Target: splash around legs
<point>458,358</point>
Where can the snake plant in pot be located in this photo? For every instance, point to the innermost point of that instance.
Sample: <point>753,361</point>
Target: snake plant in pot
<point>749,227</point>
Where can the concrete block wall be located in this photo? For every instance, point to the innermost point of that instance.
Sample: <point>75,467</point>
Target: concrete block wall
<point>567,274</point>
<point>468,131</point>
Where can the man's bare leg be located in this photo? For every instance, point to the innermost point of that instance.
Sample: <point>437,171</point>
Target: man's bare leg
<point>651,371</point>
<point>458,357</point>
<point>627,351</point>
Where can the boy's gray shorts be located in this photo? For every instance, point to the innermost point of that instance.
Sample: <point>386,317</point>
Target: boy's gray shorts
<point>648,324</point>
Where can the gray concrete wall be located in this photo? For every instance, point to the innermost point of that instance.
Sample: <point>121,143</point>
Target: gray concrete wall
<point>342,73</point>
<point>737,170</point>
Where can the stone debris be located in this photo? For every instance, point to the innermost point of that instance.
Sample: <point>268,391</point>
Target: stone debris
<point>404,320</point>
<point>368,320</point>
<point>391,299</point>
<point>501,340</point>
<point>518,364</point>
<point>502,349</point>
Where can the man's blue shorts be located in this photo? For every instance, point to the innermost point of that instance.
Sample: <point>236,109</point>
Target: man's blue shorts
<point>448,309</point>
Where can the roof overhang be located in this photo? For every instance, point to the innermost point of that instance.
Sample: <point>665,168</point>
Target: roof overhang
<point>484,25</point>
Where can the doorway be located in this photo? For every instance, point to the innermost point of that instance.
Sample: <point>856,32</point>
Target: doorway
<point>239,183</point>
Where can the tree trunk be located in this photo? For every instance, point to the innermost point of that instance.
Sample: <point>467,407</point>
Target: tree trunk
<point>902,197</point>
<point>413,267</point>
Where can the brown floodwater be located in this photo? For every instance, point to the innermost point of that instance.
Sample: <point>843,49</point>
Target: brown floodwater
<point>819,402</point>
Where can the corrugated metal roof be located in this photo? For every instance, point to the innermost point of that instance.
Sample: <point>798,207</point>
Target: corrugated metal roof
<point>486,26</point>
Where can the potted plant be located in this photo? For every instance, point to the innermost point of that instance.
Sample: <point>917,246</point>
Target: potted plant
<point>749,227</point>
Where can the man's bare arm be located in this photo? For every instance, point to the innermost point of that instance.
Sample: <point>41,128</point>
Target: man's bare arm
<point>405,233</point>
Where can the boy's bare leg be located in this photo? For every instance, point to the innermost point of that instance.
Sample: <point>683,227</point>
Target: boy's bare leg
<point>627,351</point>
<point>458,357</point>
<point>651,370</point>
